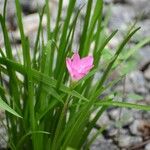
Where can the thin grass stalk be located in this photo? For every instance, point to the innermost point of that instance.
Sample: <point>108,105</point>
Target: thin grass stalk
<point>55,33</point>
<point>68,44</point>
<point>86,25</point>
<point>37,38</point>
<point>96,15</point>
<point>27,64</point>
<point>48,20</point>
<point>63,38</point>
<point>14,101</point>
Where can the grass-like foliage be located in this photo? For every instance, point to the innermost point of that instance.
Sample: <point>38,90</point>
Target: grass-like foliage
<point>44,109</point>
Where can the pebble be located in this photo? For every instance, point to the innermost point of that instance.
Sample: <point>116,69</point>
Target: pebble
<point>32,6</point>
<point>144,57</point>
<point>4,137</point>
<point>135,81</point>
<point>138,82</point>
<point>125,141</point>
<point>134,127</point>
<point>147,73</point>
<point>122,117</point>
<point>101,143</point>
<point>104,145</point>
<point>140,7</point>
<point>147,147</point>
<point>114,114</point>
<point>147,98</point>
<point>145,28</point>
<point>137,114</point>
<point>118,19</point>
<point>104,121</point>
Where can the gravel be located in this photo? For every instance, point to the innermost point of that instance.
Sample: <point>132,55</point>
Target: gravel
<point>124,128</point>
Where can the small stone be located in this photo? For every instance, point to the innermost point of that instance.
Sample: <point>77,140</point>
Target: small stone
<point>147,73</point>
<point>119,19</point>
<point>123,117</point>
<point>137,114</point>
<point>108,1</point>
<point>103,145</point>
<point>30,23</point>
<point>138,82</point>
<point>145,128</point>
<point>146,115</point>
<point>144,57</point>
<point>145,28</point>
<point>140,7</point>
<point>104,120</point>
<point>112,132</point>
<point>148,85</point>
<point>147,99</point>
<point>31,6</point>
<point>147,147</point>
<point>114,114</point>
<point>134,127</point>
<point>125,141</point>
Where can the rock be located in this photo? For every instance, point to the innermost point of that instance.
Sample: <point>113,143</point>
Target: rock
<point>137,114</point>
<point>103,144</point>
<point>134,127</point>
<point>138,82</point>
<point>145,28</point>
<point>125,141</point>
<point>146,115</point>
<point>29,6</point>
<point>147,73</point>
<point>10,12</point>
<point>148,85</point>
<point>145,128</point>
<point>141,7</point>
<point>147,98</point>
<point>118,19</point>
<point>144,57</point>
<point>112,132</point>
<point>108,1</point>
<point>119,1</point>
<point>122,117</point>
<point>104,121</point>
<point>147,147</point>
<point>1,39</point>
<point>3,133</point>
<point>114,114</point>
<point>30,23</point>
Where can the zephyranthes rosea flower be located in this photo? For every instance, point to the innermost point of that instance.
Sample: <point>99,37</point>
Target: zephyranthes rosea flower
<point>77,67</point>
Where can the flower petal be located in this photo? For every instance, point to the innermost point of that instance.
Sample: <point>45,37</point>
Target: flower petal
<point>76,58</point>
<point>78,76</point>
<point>87,61</point>
<point>77,67</point>
<point>87,69</point>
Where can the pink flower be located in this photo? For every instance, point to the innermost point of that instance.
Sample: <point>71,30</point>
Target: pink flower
<point>77,67</point>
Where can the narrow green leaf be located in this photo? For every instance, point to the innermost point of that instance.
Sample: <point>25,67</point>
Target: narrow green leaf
<point>86,25</point>
<point>96,15</point>
<point>21,141</point>
<point>134,96</point>
<point>6,107</point>
<point>125,105</point>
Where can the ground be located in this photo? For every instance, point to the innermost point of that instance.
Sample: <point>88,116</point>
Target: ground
<point>125,128</point>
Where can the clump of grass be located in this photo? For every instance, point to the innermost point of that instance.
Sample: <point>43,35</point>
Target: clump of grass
<point>43,110</point>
